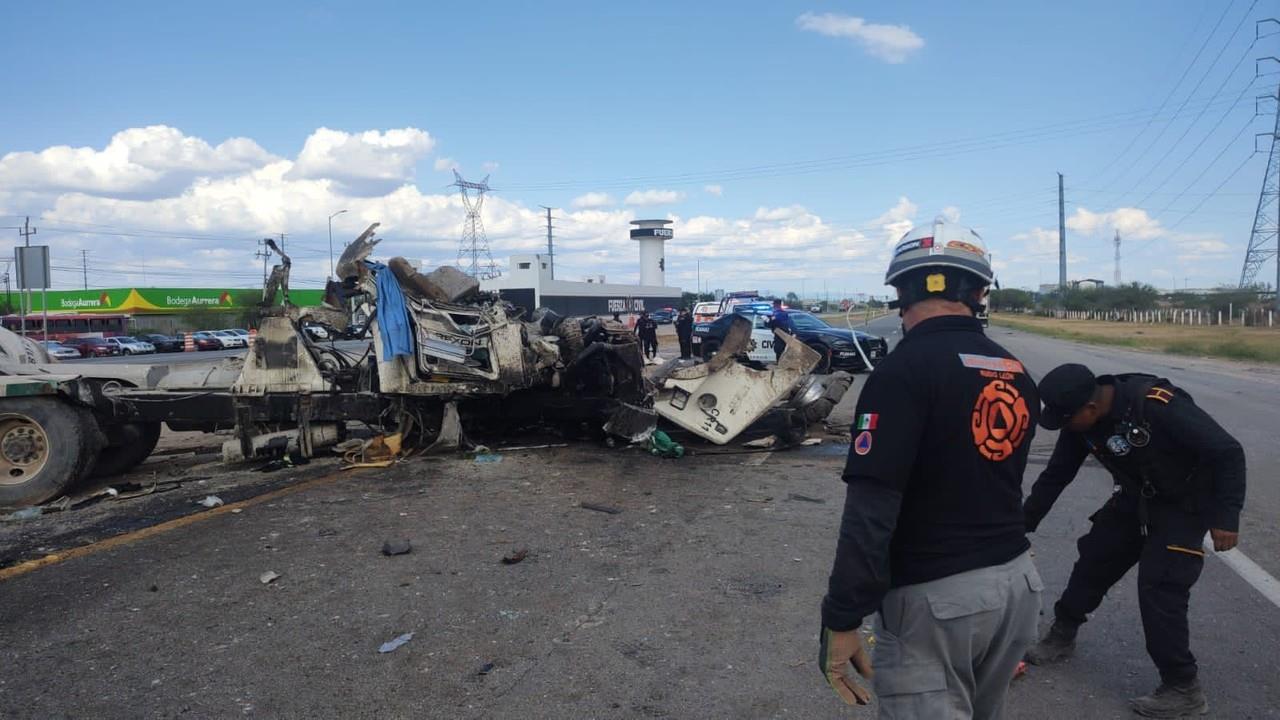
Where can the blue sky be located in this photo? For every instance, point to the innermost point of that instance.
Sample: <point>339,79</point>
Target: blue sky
<point>823,129</point>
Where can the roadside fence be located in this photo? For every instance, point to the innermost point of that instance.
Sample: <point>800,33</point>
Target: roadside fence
<point>1246,317</point>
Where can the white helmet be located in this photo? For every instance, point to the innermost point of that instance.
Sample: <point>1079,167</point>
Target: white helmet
<point>941,245</point>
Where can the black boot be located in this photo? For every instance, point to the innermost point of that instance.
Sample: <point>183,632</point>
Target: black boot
<point>1172,700</point>
<point>1058,645</point>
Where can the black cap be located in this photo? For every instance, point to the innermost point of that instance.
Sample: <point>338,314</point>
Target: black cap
<point>1065,390</point>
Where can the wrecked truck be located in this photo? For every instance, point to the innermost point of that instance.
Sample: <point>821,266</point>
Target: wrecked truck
<point>442,359</point>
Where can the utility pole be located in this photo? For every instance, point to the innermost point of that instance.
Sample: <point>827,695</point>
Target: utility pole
<point>699,278</point>
<point>265,254</point>
<point>1264,240</point>
<point>281,242</point>
<point>1117,278</point>
<point>84,267</point>
<point>24,295</point>
<point>551,248</point>
<point>1062,239</point>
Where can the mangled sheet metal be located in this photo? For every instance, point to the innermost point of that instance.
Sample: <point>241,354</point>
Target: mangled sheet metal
<point>719,399</point>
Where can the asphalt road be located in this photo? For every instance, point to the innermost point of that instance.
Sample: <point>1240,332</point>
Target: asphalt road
<point>697,599</point>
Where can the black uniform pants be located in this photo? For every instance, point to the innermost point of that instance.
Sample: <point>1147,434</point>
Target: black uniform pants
<point>649,345</point>
<point>1169,561</point>
<point>686,345</point>
<point>778,347</point>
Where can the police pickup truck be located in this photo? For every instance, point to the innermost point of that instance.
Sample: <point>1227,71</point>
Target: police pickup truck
<point>836,345</point>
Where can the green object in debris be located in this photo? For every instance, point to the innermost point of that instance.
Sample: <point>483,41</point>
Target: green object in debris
<point>662,445</point>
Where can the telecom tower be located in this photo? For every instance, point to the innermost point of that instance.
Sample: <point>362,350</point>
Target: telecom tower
<point>473,251</point>
<point>1117,278</point>
<point>1266,223</point>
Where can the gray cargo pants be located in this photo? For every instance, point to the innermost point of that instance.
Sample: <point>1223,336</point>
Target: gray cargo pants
<point>948,648</point>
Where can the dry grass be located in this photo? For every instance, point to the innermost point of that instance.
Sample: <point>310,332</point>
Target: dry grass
<point>1235,343</point>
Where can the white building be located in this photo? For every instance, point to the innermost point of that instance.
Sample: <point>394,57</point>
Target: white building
<point>530,282</point>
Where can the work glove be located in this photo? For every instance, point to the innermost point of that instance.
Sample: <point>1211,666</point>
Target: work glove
<point>837,651</point>
<point>1224,540</point>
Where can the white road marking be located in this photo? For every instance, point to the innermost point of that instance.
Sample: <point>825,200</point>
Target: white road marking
<point>1260,579</point>
<point>757,459</point>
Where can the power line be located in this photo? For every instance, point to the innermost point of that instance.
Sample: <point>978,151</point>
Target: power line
<point>1172,91</point>
<point>1199,115</point>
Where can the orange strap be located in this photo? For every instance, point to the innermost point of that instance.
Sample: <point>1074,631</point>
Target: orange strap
<point>1189,551</point>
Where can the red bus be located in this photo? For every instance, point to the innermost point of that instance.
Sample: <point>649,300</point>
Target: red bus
<point>62,327</point>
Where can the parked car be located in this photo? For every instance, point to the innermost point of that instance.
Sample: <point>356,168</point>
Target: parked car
<point>238,331</point>
<point>90,347</point>
<point>131,346</point>
<point>205,340</point>
<point>58,351</point>
<point>230,339</point>
<point>663,317</point>
<point>164,343</point>
<point>836,345</point>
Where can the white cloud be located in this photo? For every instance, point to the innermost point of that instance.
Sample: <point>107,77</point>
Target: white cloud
<point>716,190</point>
<point>139,161</point>
<point>592,200</point>
<point>891,43</point>
<point>367,163</point>
<point>1133,223</point>
<point>490,166</point>
<point>951,214</point>
<point>653,197</point>
<point>446,164</point>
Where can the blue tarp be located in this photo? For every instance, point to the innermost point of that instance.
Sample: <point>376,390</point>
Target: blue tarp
<point>393,316</point>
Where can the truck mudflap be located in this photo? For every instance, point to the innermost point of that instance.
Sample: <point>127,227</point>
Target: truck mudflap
<point>721,398</point>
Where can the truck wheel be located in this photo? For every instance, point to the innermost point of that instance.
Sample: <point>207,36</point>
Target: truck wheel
<point>46,445</point>
<point>130,445</point>
<point>709,350</point>
<point>835,386</point>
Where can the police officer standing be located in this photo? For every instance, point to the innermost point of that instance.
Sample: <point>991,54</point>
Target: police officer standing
<point>684,333</point>
<point>780,320</point>
<point>1178,474</point>
<point>647,330</point>
<point>932,537</point>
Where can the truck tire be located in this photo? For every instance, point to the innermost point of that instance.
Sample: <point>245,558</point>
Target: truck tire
<point>834,389</point>
<point>46,445</point>
<point>709,349</point>
<point>130,445</point>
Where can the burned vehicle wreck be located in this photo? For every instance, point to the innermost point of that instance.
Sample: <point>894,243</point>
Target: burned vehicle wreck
<point>442,359</point>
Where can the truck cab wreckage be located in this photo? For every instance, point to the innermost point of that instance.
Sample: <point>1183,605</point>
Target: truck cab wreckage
<point>444,360</point>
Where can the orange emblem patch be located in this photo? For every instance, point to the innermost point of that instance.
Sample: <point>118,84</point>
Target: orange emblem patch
<point>1000,420</point>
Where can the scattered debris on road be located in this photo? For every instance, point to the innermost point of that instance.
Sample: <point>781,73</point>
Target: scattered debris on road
<point>395,643</point>
<point>396,547</point>
<point>609,509</point>
<point>516,556</point>
<point>268,577</point>
<point>805,498</point>
<point>210,501</point>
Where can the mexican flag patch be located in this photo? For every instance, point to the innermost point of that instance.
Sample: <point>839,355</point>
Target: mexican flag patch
<point>867,421</point>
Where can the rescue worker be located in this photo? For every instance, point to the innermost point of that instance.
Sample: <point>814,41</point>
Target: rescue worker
<point>1177,475</point>
<point>932,537</point>
<point>684,333</point>
<point>780,320</point>
<point>647,331</point>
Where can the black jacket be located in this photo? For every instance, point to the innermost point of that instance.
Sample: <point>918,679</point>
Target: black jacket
<point>647,329</point>
<point>934,475</point>
<point>684,325</point>
<point>1192,460</point>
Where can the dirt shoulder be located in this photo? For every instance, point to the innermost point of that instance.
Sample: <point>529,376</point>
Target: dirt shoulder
<point>1232,343</point>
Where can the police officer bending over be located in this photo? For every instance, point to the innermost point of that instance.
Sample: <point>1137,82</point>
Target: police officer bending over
<point>932,535</point>
<point>1177,474</point>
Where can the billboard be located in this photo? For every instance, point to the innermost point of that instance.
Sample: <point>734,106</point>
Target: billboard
<point>161,300</point>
